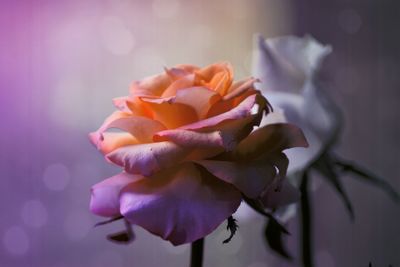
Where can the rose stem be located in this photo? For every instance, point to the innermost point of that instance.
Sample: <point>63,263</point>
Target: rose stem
<point>196,254</point>
<point>306,224</point>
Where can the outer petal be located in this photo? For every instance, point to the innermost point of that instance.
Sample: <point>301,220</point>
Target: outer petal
<point>280,195</point>
<point>180,205</point>
<point>240,87</point>
<point>146,159</point>
<point>243,110</point>
<point>104,200</point>
<point>286,63</point>
<point>141,129</point>
<point>270,139</point>
<point>110,141</point>
<point>251,178</point>
<point>226,134</point>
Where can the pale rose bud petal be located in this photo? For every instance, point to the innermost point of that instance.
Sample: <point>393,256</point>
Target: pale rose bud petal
<point>288,68</point>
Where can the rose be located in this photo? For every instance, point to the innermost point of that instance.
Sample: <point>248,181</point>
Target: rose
<point>289,69</point>
<point>186,144</point>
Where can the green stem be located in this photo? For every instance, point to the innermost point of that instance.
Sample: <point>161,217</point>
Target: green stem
<point>196,254</point>
<point>306,246</point>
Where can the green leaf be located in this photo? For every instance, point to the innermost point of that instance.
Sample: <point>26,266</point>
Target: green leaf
<point>274,231</point>
<point>325,166</point>
<point>367,176</point>
<point>123,237</point>
<point>274,237</point>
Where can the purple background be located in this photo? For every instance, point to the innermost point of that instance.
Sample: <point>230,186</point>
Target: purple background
<point>61,63</point>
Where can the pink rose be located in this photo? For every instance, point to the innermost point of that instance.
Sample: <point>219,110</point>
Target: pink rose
<point>189,152</point>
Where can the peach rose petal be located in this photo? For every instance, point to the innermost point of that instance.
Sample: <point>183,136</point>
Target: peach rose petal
<point>200,98</point>
<point>131,105</point>
<point>180,205</point>
<point>184,82</point>
<point>217,77</point>
<point>226,134</point>
<point>189,138</point>
<point>226,105</point>
<point>151,86</point>
<point>147,159</point>
<point>277,196</point>
<point>240,87</point>
<point>251,178</point>
<point>243,110</point>
<point>104,199</point>
<point>169,113</point>
<point>142,130</point>
<point>270,139</point>
<point>111,141</point>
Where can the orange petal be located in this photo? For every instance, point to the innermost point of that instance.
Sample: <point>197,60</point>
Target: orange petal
<point>217,77</point>
<point>199,98</point>
<point>141,128</point>
<point>183,82</point>
<point>170,114</point>
<point>111,141</point>
<point>151,86</point>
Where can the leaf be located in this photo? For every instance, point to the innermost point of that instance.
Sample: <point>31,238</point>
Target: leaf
<point>306,223</point>
<point>274,237</point>
<point>120,237</point>
<point>326,167</point>
<point>367,176</point>
<point>109,221</point>
<point>232,227</point>
<point>274,231</point>
<point>123,237</point>
<point>257,206</point>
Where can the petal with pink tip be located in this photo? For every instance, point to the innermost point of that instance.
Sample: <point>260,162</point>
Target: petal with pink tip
<point>108,142</point>
<point>147,159</point>
<point>226,134</point>
<point>270,139</point>
<point>251,178</point>
<point>104,199</point>
<point>240,87</point>
<point>141,129</point>
<point>180,205</point>
<point>243,110</point>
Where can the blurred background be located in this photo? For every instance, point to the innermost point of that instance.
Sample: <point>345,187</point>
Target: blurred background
<point>61,63</point>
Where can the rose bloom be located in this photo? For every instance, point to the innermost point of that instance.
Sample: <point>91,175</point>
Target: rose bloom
<point>289,69</point>
<point>189,154</point>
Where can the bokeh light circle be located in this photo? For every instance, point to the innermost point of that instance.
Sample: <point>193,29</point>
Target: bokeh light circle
<point>34,213</point>
<point>16,241</point>
<point>56,177</point>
